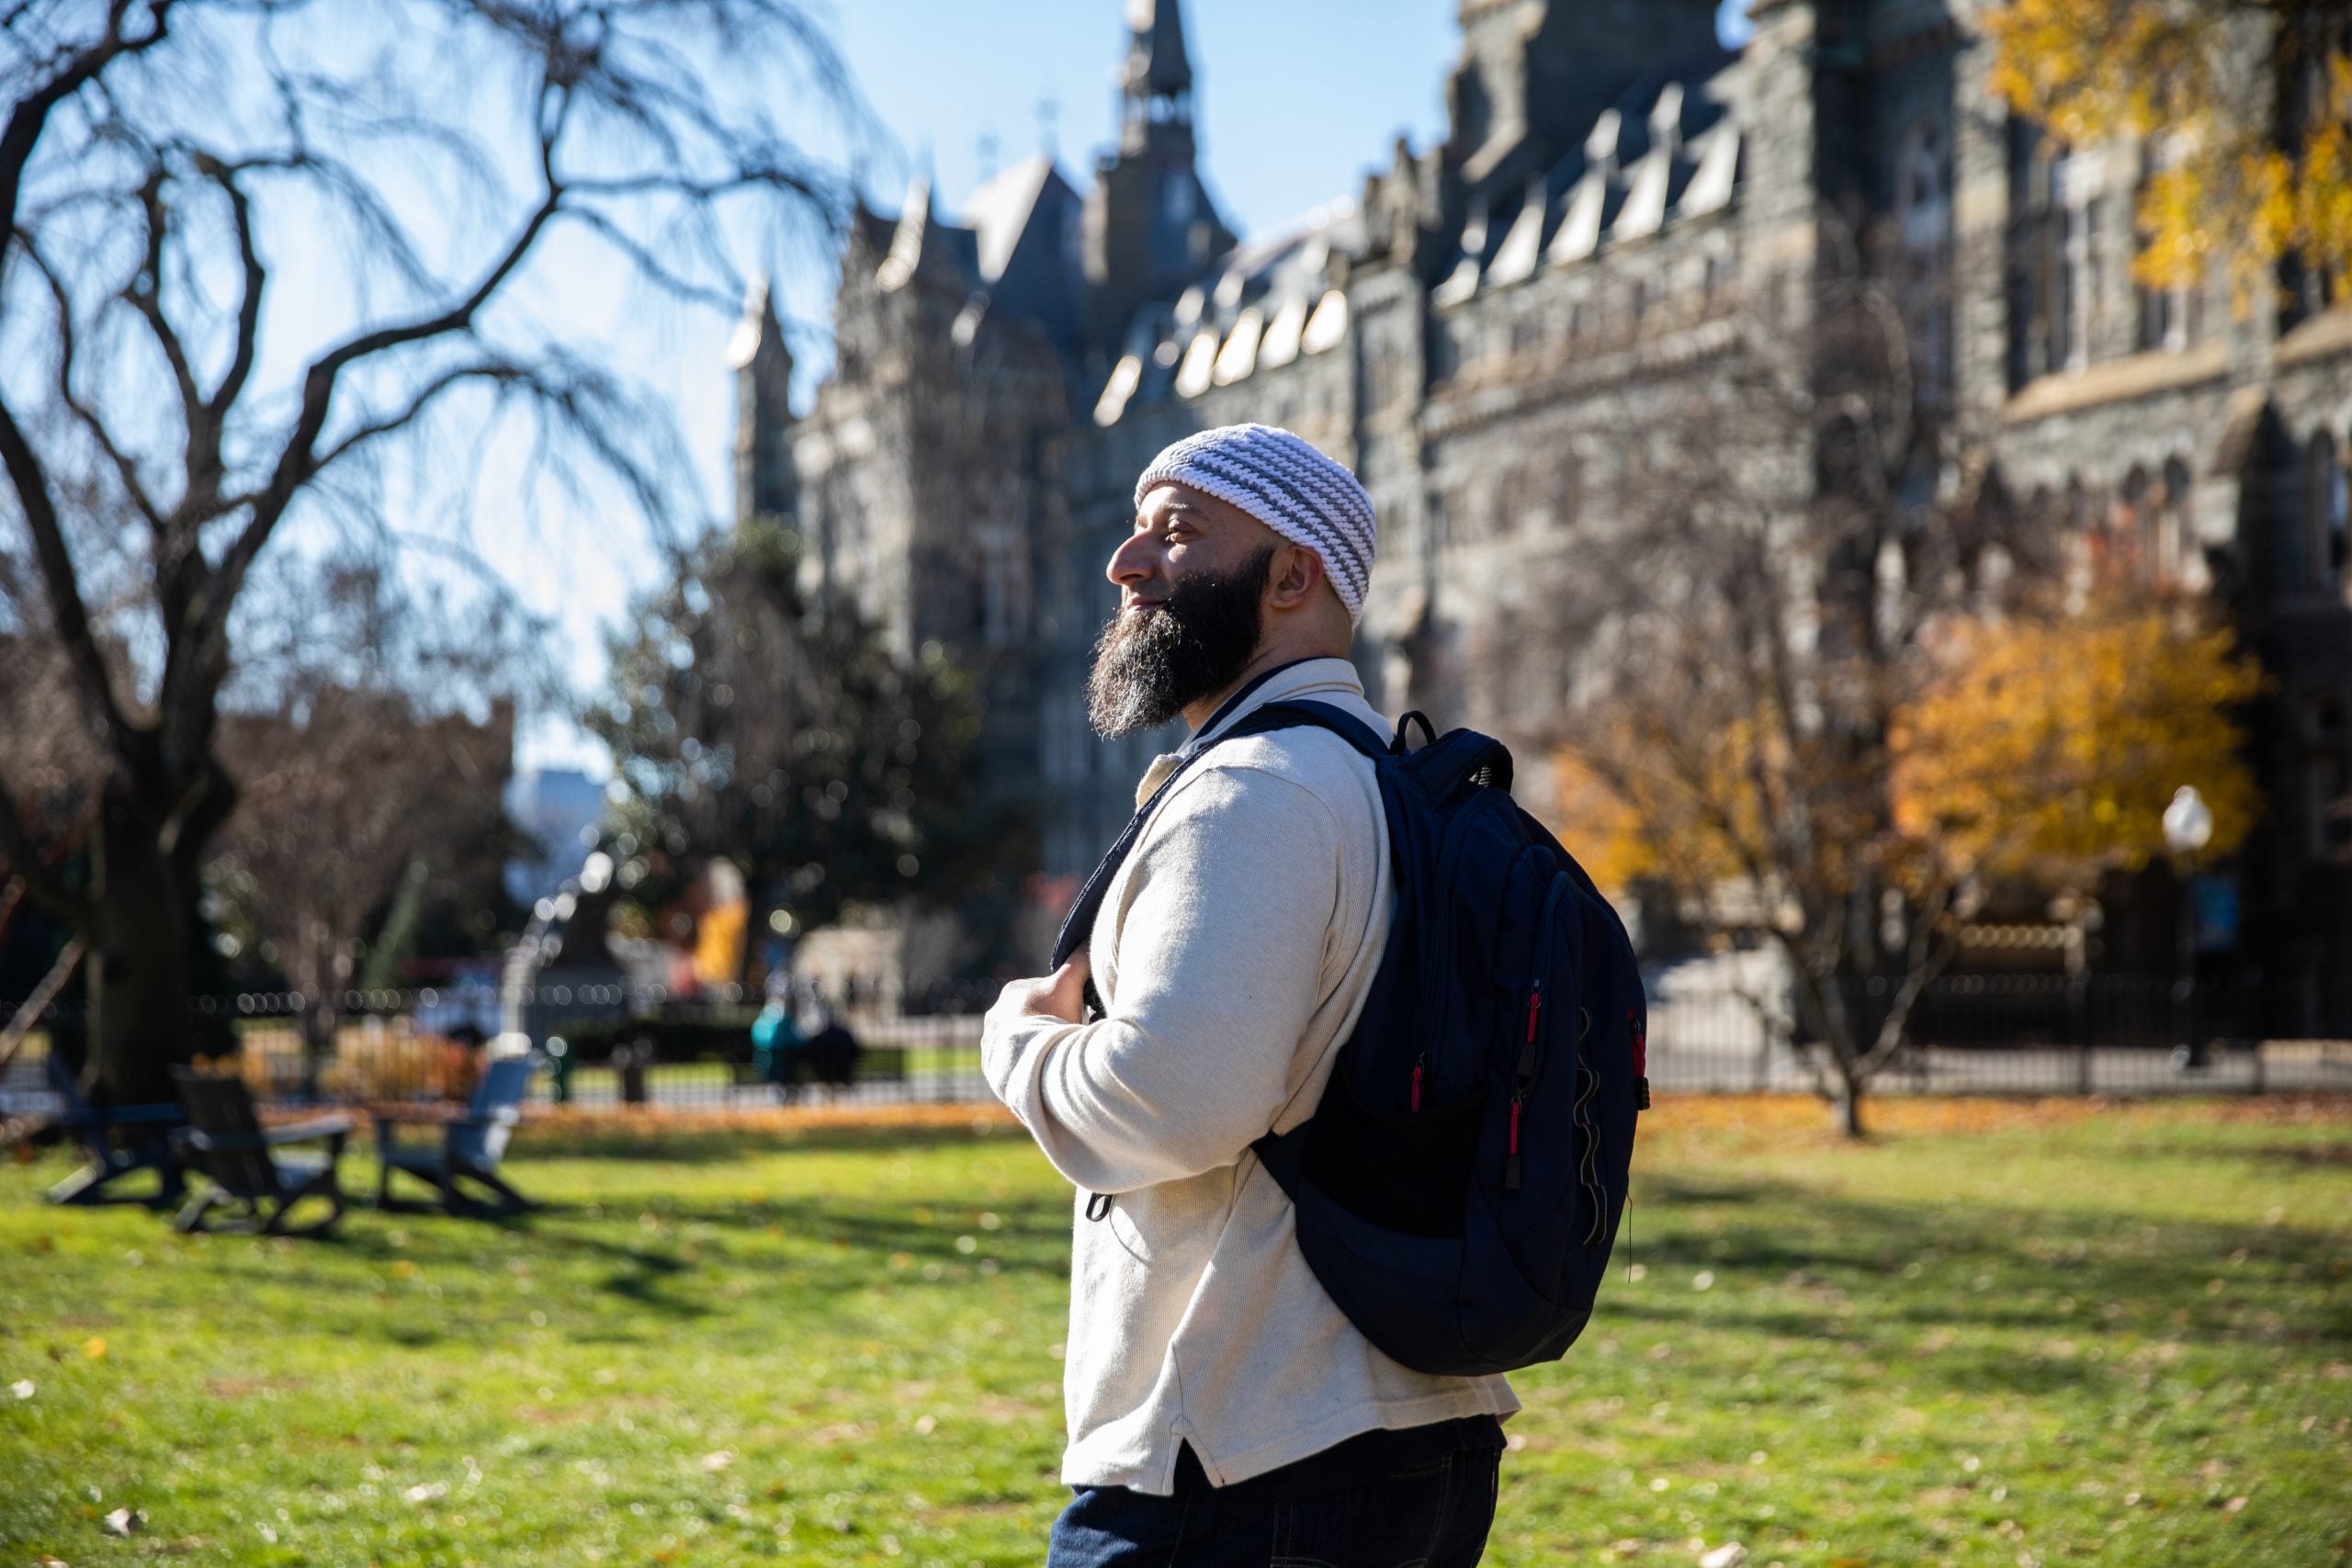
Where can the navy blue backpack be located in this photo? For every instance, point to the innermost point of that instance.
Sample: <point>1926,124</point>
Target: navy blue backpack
<point>1459,1185</point>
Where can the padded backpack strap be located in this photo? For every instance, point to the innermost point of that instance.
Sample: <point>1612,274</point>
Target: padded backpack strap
<point>1322,716</point>
<point>1080,921</point>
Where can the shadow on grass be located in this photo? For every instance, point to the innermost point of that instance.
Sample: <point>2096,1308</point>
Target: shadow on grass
<point>1878,1276</point>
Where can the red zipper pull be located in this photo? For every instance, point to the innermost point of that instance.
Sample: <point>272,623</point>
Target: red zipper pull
<point>1534,1006</point>
<point>1510,1165</point>
<point>1419,1065</point>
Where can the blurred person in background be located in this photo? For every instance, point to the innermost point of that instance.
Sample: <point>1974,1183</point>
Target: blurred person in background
<point>776,1040</point>
<point>833,1053</point>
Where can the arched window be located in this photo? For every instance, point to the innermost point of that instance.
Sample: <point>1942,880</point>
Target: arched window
<point>2179,558</point>
<point>2122,548</point>
<point>2075,523</point>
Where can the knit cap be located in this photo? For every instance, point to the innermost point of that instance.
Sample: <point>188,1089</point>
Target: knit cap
<point>1287,484</point>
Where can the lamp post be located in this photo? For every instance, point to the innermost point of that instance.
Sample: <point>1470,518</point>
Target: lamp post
<point>2189,827</point>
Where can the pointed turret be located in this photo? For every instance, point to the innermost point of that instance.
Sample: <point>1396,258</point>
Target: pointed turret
<point>765,483</point>
<point>1150,227</point>
<point>1158,65</point>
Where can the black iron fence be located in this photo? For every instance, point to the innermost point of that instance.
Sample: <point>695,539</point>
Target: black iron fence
<point>2006,1035</point>
<point>605,1047</point>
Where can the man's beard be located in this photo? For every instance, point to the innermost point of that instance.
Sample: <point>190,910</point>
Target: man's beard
<point>1151,665</point>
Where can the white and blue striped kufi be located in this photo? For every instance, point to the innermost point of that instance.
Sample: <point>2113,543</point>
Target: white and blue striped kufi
<point>1287,484</point>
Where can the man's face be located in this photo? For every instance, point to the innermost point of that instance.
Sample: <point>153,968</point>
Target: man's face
<point>1191,585</point>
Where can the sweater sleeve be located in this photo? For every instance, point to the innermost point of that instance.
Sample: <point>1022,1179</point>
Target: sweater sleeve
<point>1221,952</point>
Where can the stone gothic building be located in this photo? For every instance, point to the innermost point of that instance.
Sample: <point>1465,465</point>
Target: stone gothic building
<point>1472,330</point>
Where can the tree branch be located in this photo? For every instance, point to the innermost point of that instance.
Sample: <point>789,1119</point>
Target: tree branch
<point>144,294</point>
<point>66,609</point>
<point>24,862</point>
<point>297,461</point>
<point>241,362</point>
<point>125,469</point>
<point>31,112</point>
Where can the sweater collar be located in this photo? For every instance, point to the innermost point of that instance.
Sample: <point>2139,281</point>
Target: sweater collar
<point>1326,677</point>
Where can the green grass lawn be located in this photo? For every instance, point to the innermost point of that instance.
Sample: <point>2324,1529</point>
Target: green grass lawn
<point>2124,1339</point>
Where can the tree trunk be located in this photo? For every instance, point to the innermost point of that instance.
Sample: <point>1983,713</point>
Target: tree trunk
<point>1847,1105</point>
<point>142,995</point>
<point>149,954</point>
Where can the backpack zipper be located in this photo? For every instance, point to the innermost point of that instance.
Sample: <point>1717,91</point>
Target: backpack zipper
<point>1510,1165</point>
<point>1421,1070</point>
<point>1525,1077</point>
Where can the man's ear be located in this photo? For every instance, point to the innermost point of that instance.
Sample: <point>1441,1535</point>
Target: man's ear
<point>1295,574</point>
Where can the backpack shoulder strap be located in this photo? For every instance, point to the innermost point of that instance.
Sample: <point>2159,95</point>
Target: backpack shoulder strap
<point>1258,721</point>
<point>1320,716</point>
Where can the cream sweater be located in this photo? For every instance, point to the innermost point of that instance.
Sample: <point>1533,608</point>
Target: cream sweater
<point>1232,953</point>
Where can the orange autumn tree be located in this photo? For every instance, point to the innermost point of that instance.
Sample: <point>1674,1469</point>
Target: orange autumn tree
<point>2250,102</point>
<point>2038,748</point>
<point>2046,749</point>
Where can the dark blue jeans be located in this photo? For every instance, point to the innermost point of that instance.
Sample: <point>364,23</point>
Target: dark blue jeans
<point>1421,1510</point>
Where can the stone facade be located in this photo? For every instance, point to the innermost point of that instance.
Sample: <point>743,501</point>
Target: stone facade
<point>1477,329</point>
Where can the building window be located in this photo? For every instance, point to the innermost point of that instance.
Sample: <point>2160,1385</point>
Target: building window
<point>2328,508</point>
<point>2163,312</point>
<point>1923,223</point>
<point>2180,562</point>
<point>2328,780</point>
<point>2075,302</point>
<point>2118,549</point>
<point>2020,304</point>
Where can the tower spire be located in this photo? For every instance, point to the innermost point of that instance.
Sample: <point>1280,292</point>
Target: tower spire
<point>1157,64</point>
<point>1150,226</point>
<point>765,483</point>
<point>1155,83</point>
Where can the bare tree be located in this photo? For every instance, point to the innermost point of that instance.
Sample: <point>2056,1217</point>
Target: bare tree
<point>370,735</point>
<point>160,162</point>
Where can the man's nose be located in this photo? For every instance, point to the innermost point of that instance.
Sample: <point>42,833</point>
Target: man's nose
<point>1132,562</point>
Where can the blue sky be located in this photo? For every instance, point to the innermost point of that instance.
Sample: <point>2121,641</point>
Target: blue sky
<point>1295,100</point>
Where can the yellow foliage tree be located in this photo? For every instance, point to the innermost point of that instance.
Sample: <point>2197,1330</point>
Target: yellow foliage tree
<point>2047,749</point>
<point>2189,71</point>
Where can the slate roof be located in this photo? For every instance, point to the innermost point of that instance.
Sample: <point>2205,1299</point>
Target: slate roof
<point>1668,149</point>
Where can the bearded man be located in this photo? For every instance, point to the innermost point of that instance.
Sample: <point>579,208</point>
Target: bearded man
<point>1221,1409</point>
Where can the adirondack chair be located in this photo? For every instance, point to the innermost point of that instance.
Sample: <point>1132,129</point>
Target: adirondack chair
<point>471,1146</point>
<point>227,1143</point>
<point>121,1141</point>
